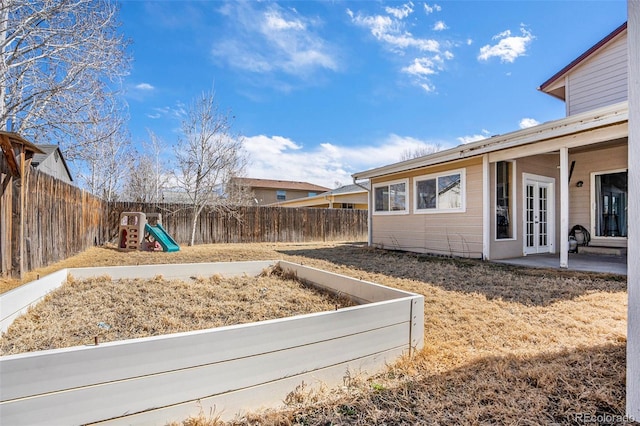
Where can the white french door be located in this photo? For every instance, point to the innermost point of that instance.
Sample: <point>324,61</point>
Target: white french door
<point>538,214</point>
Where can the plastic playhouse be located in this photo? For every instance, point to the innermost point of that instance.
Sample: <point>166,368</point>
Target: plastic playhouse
<point>139,231</point>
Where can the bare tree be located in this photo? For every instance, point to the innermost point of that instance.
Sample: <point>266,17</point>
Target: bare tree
<point>419,151</point>
<point>208,155</point>
<point>105,166</point>
<point>147,177</point>
<point>61,63</point>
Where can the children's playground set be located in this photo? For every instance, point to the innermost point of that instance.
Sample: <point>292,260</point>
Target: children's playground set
<point>139,231</point>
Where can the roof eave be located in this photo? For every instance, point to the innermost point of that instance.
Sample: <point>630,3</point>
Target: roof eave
<point>577,123</point>
<point>582,57</point>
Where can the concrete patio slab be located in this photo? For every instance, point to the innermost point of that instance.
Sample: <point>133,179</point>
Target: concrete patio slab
<point>577,262</point>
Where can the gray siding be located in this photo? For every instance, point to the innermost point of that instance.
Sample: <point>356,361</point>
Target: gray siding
<point>601,80</point>
<point>54,166</point>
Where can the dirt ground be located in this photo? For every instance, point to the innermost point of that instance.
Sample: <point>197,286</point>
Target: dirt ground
<point>503,344</point>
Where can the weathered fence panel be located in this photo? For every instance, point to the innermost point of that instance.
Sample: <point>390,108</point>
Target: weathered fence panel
<point>252,224</point>
<point>61,220</point>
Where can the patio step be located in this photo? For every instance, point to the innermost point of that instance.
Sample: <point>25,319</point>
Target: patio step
<point>604,251</point>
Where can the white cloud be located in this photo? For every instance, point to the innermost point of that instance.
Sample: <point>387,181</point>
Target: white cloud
<point>277,157</point>
<point>427,87</point>
<point>474,138</point>
<point>439,26</point>
<point>178,112</point>
<point>275,21</point>
<point>469,42</point>
<point>392,33</point>
<point>270,145</point>
<point>425,56</point>
<point>528,122</point>
<point>503,34</point>
<point>508,47</point>
<point>269,39</point>
<point>430,9</point>
<point>400,12</point>
<point>144,86</point>
<point>421,67</point>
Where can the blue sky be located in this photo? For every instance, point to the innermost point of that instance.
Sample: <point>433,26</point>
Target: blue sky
<point>321,90</point>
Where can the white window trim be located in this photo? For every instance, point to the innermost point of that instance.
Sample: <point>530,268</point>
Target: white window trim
<point>389,183</point>
<point>463,192</point>
<point>592,211</point>
<point>513,196</point>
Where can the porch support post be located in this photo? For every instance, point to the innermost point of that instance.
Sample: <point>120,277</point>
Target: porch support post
<point>633,268</point>
<point>486,208</point>
<point>564,207</point>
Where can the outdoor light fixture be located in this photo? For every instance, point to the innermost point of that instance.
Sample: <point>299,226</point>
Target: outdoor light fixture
<point>579,184</point>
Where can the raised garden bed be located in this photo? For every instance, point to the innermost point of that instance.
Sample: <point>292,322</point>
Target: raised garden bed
<point>225,370</point>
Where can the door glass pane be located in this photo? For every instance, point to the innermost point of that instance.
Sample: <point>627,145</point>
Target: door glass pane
<point>611,204</point>
<point>542,213</point>
<point>529,216</point>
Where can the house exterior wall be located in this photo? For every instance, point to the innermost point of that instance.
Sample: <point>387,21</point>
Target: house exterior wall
<point>541,165</point>
<point>601,80</point>
<point>269,195</point>
<point>53,166</point>
<point>594,160</point>
<point>453,233</point>
<point>606,157</point>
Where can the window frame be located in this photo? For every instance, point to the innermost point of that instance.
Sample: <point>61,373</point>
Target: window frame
<point>594,203</point>
<point>512,198</point>
<point>436,176</point>
<point>281,193</point>
<point>407,197</point>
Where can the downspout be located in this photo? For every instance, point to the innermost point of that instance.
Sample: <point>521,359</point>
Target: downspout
<point>369,213</point>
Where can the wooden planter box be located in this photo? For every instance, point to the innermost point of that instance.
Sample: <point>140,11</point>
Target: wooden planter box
<point>222,371</point>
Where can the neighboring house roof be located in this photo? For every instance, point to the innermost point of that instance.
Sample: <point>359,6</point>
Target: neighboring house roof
<point>558,90</point>
<point>323,197</point>
<point>47,151</point>
<point>349,189</point>
<point>604,117</point>
<point>279,184</point>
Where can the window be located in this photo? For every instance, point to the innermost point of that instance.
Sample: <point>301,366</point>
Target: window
<point>611,200</point>
<point>504,200</point>
<point>390,198</point>
<point>312,194</point>
<point>348,206</point>
<point>440,193</point>
<point>281,195</point>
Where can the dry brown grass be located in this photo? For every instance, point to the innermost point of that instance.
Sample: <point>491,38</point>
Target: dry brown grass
<point>504,345</point>
<point>80,311</point>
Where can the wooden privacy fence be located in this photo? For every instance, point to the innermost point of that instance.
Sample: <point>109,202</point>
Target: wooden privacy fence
<point>252,224</point>
<point>61,220</point>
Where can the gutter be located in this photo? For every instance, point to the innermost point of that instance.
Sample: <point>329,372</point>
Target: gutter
<point>369,212</point>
